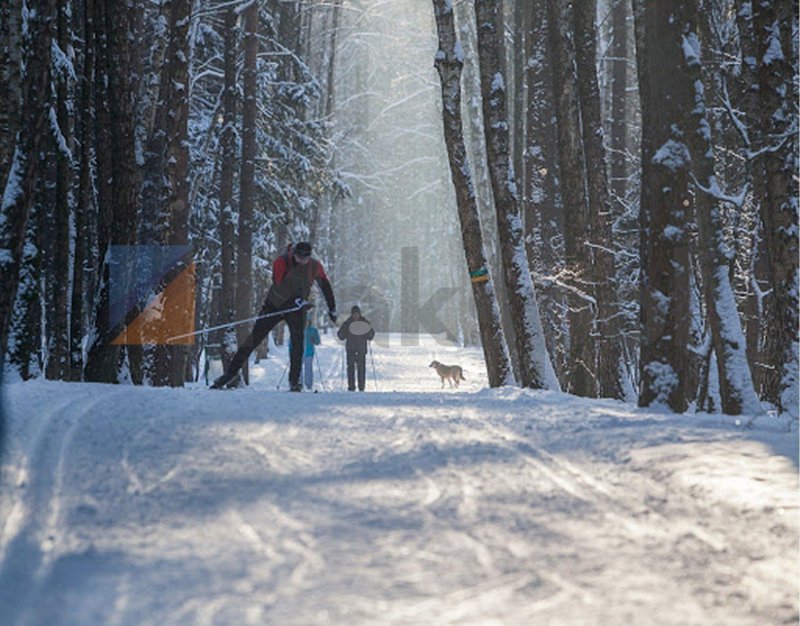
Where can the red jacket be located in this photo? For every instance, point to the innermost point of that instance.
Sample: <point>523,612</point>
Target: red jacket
<point>283,266</point>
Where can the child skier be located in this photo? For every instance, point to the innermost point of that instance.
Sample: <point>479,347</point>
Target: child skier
<point>311,340</point>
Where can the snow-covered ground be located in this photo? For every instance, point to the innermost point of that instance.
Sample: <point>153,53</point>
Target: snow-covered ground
<point>406,505</point>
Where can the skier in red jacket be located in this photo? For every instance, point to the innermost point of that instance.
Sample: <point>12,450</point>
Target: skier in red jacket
<point>293,274</point>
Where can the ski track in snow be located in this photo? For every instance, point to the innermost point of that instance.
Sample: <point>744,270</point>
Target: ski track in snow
<point>412,505</point>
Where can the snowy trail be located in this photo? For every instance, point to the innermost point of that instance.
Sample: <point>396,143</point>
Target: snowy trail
<point>409,506</point>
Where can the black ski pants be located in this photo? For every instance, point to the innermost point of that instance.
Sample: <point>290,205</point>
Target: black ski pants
<point>294,320</point>
<point>356,360</point>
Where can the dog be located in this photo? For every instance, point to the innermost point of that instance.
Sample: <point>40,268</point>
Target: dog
<point>451,373</point>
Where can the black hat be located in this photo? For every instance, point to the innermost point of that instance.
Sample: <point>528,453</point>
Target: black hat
<point>355,309</point>
<point>302,249</point>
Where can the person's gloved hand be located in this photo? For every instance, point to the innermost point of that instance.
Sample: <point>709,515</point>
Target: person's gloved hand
<point>333,316</point>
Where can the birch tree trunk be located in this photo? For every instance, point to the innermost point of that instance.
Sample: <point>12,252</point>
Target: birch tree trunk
<point>449,62</point>
<point>535,368</point>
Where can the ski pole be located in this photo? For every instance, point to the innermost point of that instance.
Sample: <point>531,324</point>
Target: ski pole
<point>300,304</point>
<point>282,376</point>
<point>374,376</point>
<point>319,369</point>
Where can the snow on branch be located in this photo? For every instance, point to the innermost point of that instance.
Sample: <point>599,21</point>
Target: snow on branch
<point>61,142</point>
<point>740,127</point>
<point>673,155</point>
<point>61,62</point>
<point>556,280</point>
<point>237,5</point>
<point>691,49</point>
<point>775,147</point>
<point>715,192</point>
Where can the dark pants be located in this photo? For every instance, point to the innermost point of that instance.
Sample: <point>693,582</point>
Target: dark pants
<point>295,322</point>
<point>356,360</point>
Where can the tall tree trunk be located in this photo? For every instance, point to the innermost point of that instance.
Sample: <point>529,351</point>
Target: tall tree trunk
<point>607,329</point>
<point>11,45</point>
<point>102,136</point>
<point>227,235</point>
<point>288,12</point>
<point>22,176</point>
<point>104,183</point>
<point>85,203</point>
<point>665,203</point>
<point>760,300</point>
<point>331,65</point>
<point>25,340</point>
<point>757,309</point>
<point>536,370</point>
<point>474,136</point>
<point>777,143</point>
<point>622,118</point>
<point>544,219</point>
<point>582,354</point>
<point>58,274</point>
<point>173,216</point>
<point>449,64</point>
<point>521,9</point>
<point>737,394</point>
<point>247,193</point>
<point>321,232</point>
<point>120,73</point>
<point>144,357</point>
<point>619,86</point>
